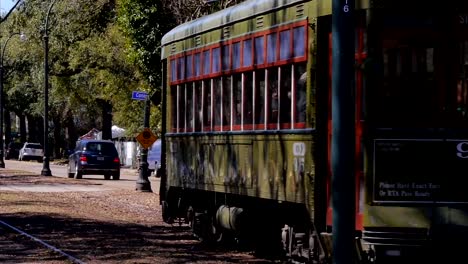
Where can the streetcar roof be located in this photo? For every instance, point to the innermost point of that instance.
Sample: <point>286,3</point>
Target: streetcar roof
<point>224,17</point>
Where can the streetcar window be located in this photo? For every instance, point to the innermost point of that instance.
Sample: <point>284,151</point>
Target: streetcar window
<point>273,99</point>
<point>461,94</point>
<point>247,53</point>
<point>206,62</point>
<point>181,107</point>
<point>237,100</point>
<point>285,44</point>
<point>227,102</point>
<point>216,60</point>
<point>409,92</point>
<point>226,57</point>
<point>198,106</point>
<point>217,98</point>
<point>181,68</point>
<point>207,105</point>
<point>299,42</point>
<point>236,55</point>
<point>300,76</point>
<point>174,108</point>
<point>197,64</point>
<point>423,74</point>
<point>271,47</point>
<point>173,70</point>
<point>259,48</point>
<point>189,107</point>
<point>260,99</point>
<point>264,98</point>
<point>189,66</point>
<point>285,96</point>
<point>462,82</point>
<point>247,104</point>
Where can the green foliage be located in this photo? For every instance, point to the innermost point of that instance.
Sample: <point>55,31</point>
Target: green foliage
<point>87,59</point>
<point>144,22</point>
<point>99,50</point>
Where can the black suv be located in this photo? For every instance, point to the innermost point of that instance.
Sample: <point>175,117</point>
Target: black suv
<point>12,151</point>
<point>94,157</point>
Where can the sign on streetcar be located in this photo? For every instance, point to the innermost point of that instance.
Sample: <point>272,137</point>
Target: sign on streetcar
<point>137,95</point>
<point>146,138</point>
<point>422,171</point>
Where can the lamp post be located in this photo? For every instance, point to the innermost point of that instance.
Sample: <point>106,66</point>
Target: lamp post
<point>46,168</point>
<point>142,183</point>
<point>2,101</point>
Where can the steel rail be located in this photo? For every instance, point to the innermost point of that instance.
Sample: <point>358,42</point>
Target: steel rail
<point>70,257</point>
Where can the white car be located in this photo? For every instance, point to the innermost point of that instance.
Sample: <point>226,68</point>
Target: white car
<point>31,151</point>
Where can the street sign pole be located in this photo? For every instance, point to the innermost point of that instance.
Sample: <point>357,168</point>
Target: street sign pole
<point>343,132</point>
<point>143,184</point>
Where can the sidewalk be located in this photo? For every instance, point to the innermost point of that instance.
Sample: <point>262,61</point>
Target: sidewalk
<point>51,188</point>
<point>24,181</point>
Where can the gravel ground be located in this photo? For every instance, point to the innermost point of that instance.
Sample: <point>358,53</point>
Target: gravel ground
<point>107,226</point>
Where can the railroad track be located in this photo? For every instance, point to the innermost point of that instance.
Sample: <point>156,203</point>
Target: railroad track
<point>19,246</point>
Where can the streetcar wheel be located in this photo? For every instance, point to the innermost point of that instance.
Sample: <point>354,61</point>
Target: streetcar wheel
<point>190,218</point>
<point>209,231</point>
<point>165,213</point>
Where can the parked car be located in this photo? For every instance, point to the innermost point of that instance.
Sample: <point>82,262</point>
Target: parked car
<point>12,151</point>
<point>94,157</point>
<point>31,151</point>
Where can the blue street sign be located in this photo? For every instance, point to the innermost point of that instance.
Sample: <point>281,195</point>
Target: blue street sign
<point>136,95</point>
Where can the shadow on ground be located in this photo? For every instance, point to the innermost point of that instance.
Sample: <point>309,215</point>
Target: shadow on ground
<point>101,242</point>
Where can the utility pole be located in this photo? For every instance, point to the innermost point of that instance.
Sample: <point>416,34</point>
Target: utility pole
<point>343,132</point>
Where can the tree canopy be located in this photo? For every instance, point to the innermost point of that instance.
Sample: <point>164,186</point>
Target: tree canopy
<point>99,52</point>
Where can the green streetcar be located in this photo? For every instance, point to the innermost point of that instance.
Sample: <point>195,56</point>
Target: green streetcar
<point>247,127</point>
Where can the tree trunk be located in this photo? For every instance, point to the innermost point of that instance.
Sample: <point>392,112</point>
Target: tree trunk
<point>71,134</point>
<point>22,128</point>
<point>32,129</point>
<point>58,140</point>
<point>40,130</point>
<point>106,120</point>
<point>35,129</point>
<point>7,119</point>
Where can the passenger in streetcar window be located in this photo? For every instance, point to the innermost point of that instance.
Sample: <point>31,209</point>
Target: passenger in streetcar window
<point>217,86</point>
<point>259,98</point>
<point>198,106</point>
<point>285,97</point>
<point>237,100</point>
<point>189,107</point>
<point>274,103</point>
<point>273,95</point>
<point>227,102</point>
<point>248,101</point>
<point>301,98</point>
<point>207,105</point>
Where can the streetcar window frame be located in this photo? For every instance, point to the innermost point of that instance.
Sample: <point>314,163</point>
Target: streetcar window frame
<point>225,85</point>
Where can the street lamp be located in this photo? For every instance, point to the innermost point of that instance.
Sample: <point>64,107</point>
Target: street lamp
<point>2,101</point>
<point>142,183</point>
<point>46,168</point>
